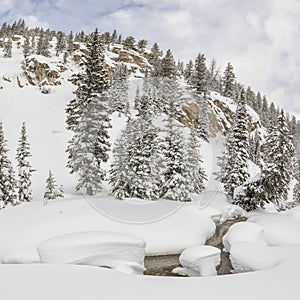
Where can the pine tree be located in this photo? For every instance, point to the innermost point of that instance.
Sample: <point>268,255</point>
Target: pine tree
<point>61,43</point>
<point>89,146</point>
<point>194,163</point>
<point>264,113</point>
<point>118,173</point>
<point>8,48</point>
<point>168,66</point>
<point>254,147</point>
<point>119,90</point>
<point>214,81</point>
<point>70,43</point>
<point>202,128</point>
<point>234,168</point>
<point>229,82</point>
<point>129,43</point>
<point>24,168</point>
<point>188,71</point>
<point>199,76</point>
<point>142,152</point>
<point>7,179</point>
<point>51,191</point>
<point>177,182</point>
<point>26,47</point>
<point>43,45</point>
<point>278,155</point>
<point>155,61</point>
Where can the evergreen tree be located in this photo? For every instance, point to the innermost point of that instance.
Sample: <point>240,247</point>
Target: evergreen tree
<point>254,147</point>
<point>118,173</point>
<point>188,72</point>
<point>278,155</point>
<point>70,43</point>
<point>177,182</point>
<point>199,76</point>
<point>251,98</point>
<point>7,180</point>
<point>137,98</point>
<point>8,48</point>
<point>194,163</point>
<point>119,90</point>
<point>26,47</point>
<point>61,43</point>
<point>229,82</point>
<point>264,113</point>
<point>89,146</point>
<point>155,61</point>
<point>142,44</point>
<point>52,191</point>
<point>24,168</point>
<point>234,168</point>
<point>129,43</point>
<point>142,154</point>
<point>214,81</point>
<point>168,66</point>
<point>43,45</point>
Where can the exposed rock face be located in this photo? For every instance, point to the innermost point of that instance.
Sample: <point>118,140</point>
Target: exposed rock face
<point>129,57</point>
<point>41,74</point>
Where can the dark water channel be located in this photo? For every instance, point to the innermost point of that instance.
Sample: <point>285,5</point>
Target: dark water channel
<point>164,264</point>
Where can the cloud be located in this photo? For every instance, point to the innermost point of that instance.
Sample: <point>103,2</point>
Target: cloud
<point>260,38</point>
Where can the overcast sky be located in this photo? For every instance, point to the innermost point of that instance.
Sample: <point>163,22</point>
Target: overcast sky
<point>261,38</point>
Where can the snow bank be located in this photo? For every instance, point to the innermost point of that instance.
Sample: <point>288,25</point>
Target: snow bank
<point>279,229</point>
<point>76,282</point>
<point>244,232</point>
<point>201,259</point>
<point>95,248</point>
<point>169,232</point>
<point>263,242</point>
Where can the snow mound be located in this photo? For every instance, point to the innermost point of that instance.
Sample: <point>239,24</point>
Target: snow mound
<point>201,259</point>
<point>244,232</point>
<point>279,229</point>
<point>246,257</point>
<point>97,248</point>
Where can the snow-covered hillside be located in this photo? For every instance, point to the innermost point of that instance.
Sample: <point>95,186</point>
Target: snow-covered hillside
<point>38,89</point>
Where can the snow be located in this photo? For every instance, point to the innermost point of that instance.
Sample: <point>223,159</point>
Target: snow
<point>244,232</point>
<point>156,225</point>
<point>95,248</point>
<point>75,282</point>
<point>202,259</point>
<point>279,229</point>
<point>265,241</point>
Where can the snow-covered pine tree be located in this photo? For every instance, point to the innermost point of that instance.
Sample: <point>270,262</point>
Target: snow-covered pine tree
<point>264,113</point>
<point>278,157</point>
<point>188,71</point>
<point>119,90</point>
<point>70,43</point>
<point>118,173</point>
<point>155,61</point>
<point>168,66</point>
<point>254,147</point>
<point>26,47</point>
<point>234,169</point>
<point>8,48</point>
<point>61,43</point>
<point>177,182</point>
<point>214,78</point>
<point>229,82</point>
<point>142,153</point>
<point>199,76</point>
<point>194,163</point>
<point>89,146</point>
<point>296,189</point>
<point>24,168</point>
<point>51,188</point>
<point>7,178</point>
<point>137,98</point>
<point>43,45</point>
